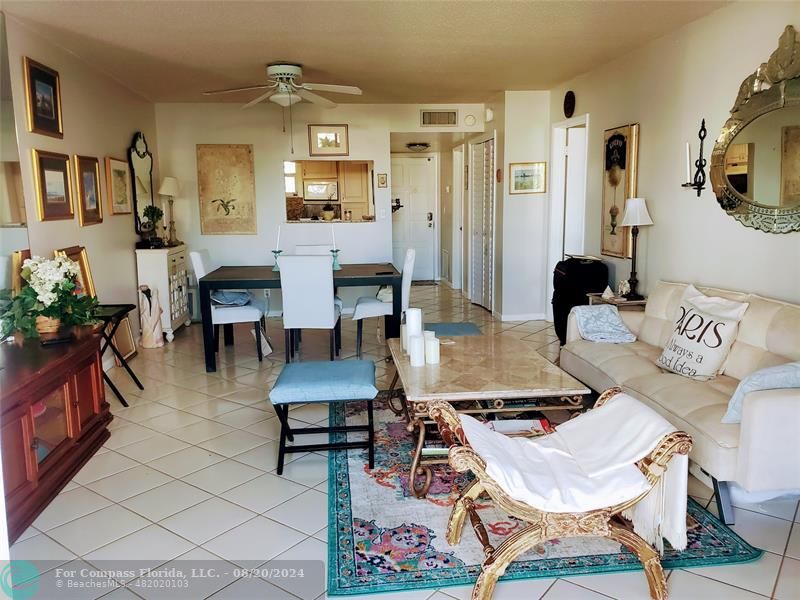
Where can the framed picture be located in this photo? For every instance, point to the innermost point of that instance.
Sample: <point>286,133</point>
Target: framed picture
<point>620,157</point>
<point>383,180</point>
<point>226,189</point>
<point>53,192</point>
<point>87,175</point>
<point>42,99</point>
<point>118,186</point>
<point>79,255</point>
<point>328,140</point>
<point>123,341</point>
<point>527,178</point>
<point>17,258</point>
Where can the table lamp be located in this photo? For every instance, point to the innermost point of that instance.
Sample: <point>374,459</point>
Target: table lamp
<point>636,216</point>
<point>169,188</point>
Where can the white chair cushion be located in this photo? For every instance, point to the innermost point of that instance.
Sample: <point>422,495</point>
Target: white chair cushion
<point>223,315</point>
<point>542,473</point>
<point>369,306</point>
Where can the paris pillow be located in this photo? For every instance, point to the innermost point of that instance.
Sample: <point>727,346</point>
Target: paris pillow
<point>705,328</point>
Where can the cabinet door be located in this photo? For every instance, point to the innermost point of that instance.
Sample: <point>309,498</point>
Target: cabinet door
<point>52,430</point>
<point>319,169</point>
<point>85,395</point>
<point>19,466</point>
<point>355,185</point>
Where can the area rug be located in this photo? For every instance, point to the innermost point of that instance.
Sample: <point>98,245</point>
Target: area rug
<point>381,538</point>
<point>453,329</point>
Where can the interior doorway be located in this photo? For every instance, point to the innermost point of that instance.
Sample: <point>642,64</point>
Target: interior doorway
<point>568,188</point>
<point>456,259</point>
<point>482,223</point>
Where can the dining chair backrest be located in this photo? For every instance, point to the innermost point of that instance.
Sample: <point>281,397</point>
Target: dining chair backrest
<point>201,262</point>
<point>307,292</point>
<point>408,273</point>
<point>313,249</point>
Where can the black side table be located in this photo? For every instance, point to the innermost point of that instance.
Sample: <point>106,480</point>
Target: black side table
<point>113,314</point>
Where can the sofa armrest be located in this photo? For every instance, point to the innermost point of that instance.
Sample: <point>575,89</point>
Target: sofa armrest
<point>769,444</point>
<point>572,327</point>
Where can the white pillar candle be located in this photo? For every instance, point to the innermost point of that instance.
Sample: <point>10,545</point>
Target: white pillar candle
<point>278,240</point>
<point>414,322</point>
<point>404,337</point>
<point>432,351</point>
<point>688,163</point>
<point>416,350</point>
<point>333,236</point>
<point>428,334</point>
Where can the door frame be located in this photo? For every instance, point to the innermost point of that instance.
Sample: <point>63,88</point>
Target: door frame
<point>457,211</point>
<point>436,176</point>
<point>556,213</point>
<point>467,291</point>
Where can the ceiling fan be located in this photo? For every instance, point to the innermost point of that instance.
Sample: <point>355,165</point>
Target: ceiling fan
<point>284,89</point>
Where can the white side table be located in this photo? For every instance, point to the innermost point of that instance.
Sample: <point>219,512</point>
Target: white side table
<point>164,269</point>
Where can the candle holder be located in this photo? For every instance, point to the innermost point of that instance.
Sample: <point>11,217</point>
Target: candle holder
<point>699,181</point>
<point>276,254</point>
<point>336,265</point>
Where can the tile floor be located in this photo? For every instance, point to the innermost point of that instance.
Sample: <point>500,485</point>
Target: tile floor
<point>189,473</point>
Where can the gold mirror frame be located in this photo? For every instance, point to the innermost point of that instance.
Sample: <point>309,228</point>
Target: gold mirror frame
<point>774,85</point>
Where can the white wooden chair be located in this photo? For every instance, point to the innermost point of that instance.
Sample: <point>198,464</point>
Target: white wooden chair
<point>307,290</point>
<point>254,312</point>
<point>370,306</point>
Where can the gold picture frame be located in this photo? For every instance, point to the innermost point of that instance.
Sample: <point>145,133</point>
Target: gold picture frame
<point>80,256</point>
<point>90,197</point>
<point>620,170</point>
<point>328,140</point>
<point>124,341</point>
<point>383,180</point>
<point>527,178</point>
<point>118,186</point>
<point>42,98</point>
<point>17,258</point>
<point>53,185</point>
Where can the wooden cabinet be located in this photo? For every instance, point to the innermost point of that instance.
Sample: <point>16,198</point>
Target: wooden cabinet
<point>164,269</point>
<point>53,418</point>
<point>354,184</point>
<point>320,169</point>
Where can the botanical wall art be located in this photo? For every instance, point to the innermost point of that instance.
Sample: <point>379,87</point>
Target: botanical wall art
<point>620,155</point>
<point>118,185</point>
<point>226,189</point>
<point>87,176</point>
<point>527,178</point>
<point>790,166</point>
<point>53,192</point>
<point>43,99</point>
<point>328,140</point>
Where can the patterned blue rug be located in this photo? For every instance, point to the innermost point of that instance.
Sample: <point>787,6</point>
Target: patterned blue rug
<point>381,538</point>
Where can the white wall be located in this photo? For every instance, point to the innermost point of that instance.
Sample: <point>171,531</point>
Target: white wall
<point>100,117</point>
<point>668,87</point>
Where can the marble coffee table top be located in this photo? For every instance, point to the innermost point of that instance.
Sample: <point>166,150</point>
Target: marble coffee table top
<point>484,367</point>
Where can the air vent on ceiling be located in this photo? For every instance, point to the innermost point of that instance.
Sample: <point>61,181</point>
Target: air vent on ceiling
<point>438,118</point>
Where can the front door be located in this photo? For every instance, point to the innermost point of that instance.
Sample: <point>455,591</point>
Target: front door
<point>413,225</point>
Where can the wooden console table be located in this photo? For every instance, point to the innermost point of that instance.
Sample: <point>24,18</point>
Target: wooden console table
<point>53,418</point>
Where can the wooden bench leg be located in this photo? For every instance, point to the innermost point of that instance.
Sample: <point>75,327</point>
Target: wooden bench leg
<point>287,334</point>
<point>286,434</point>
<point>359,335</point>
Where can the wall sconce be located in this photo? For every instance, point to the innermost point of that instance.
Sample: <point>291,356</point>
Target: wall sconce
<point>698,182</point>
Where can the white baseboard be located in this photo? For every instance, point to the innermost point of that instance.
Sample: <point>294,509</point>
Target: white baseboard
<point>523,317</point>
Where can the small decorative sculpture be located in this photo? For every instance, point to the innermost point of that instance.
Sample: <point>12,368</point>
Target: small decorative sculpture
<point>624,288</point>
<point>150,315</point>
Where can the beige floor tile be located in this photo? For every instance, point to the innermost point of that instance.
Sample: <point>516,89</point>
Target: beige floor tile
<point>152,448</point>
<point>264,457</point>
<point>762,531</point>
<point>783,508</point>
<point>528,589</point>
<point>309,549</point>
<point>789,583</point>
<point>310,413</point>
<point>69,505</point>
<point>564,590</point>
<point>758,576</point>
<point>200,587</point>
<point>222,476</point>
<point>128,434</point>
<point>257,540</point>
<point>201,431</point>
<point>307,512</point>
<point>249,396</point>
<point>243,417</point>
<point>188,460</point>
<point>212,408</point>
<point>264,492</point>
<point>137,414</point>
<point>233,443</point>
<point>268,428</point>
<point>689,586</point>
<point>308,470</point>
<point>41,548</point>
<point>162,502</point>
<point>85,534</point>
<point>793,550</point>
<point>181,398</point>
<point>250,587</point>
<point>207,520</point>
<point>172,421</point>
<point>630,585</point>
<point>103,465</point>
<point>128,483</point>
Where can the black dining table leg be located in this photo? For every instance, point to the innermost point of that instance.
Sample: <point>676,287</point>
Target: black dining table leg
<point>392,322</point>
<point>208,328</point>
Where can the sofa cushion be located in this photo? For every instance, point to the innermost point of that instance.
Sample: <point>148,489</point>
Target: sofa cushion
<point>617,362</point>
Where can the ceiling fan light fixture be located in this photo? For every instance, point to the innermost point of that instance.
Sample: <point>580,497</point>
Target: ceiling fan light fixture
<point>285,99</point>
<point>418,146</point>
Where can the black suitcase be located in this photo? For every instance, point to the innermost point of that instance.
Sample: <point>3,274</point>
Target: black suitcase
<point>573,278</point>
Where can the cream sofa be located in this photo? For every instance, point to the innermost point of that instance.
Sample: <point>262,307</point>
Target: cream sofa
<point>763,452</point>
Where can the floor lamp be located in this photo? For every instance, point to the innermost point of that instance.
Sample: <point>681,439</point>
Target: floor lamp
<point>636,216</point>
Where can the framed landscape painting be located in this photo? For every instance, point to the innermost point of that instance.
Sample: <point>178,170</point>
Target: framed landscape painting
<point>328,140</point>
<point>527,178</point>
<point>42,99</point>
<point>87,176</point>
<point>227,189</point>
<point>53,193</point>
<point>620,156</point>
<point>118,186</point>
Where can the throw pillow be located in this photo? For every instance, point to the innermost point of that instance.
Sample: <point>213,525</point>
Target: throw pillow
<point>705,328</point>
<point>782,376</point>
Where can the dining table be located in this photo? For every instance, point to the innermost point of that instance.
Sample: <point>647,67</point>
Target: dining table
<point>264,277</point>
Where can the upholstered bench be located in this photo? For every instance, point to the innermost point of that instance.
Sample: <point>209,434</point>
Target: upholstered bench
<point>324,381</point>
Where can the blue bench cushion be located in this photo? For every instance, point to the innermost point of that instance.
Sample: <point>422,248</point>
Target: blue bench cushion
<point>325,381</point>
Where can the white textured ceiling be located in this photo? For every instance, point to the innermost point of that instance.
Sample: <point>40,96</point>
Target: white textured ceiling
<point>398,51</point>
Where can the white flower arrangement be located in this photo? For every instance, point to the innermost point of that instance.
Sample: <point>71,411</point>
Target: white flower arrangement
<point>45,276</point>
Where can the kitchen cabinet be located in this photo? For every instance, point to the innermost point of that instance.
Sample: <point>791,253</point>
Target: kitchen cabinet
<point>354,182</point>
<point>320,169</point>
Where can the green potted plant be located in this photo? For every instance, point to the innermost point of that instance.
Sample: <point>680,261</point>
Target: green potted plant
<point>328,212</point>
<point>152,215</point>
<point>48,301</point>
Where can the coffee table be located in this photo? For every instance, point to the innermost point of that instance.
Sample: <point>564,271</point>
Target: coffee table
<point>483,374</point>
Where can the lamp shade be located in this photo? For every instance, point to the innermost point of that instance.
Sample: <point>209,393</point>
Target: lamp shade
<point>169,187</point>
<point>636,213</point>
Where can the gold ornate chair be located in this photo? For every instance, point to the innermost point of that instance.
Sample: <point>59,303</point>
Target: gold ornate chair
<point>542,526</point>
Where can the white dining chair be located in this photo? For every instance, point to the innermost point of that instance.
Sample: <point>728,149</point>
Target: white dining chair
<point>370,306</point>
<point>254,311</point>
<point>319,250</point>
<point>307,291</point>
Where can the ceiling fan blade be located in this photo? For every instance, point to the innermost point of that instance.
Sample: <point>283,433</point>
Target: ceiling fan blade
<point>306,95</point>
<point>240,89</point>
<point>255,101</point>
<point>328,87</point>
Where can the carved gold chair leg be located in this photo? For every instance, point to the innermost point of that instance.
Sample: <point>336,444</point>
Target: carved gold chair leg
<point>397,410</point>
<point>647,555</point>
<point>496,564</point>
<point>455,525</point>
